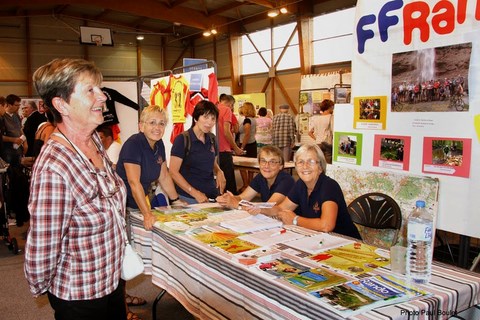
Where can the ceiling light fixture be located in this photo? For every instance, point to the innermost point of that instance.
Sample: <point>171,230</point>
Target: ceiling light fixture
<point>283,10</point>
<point>273,13</point>
<point>140,37</point>
<point>208,33</point>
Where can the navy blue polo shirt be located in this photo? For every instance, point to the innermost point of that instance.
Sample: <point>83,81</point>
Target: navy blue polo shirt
<point>136,150</point>
<point>282,184</point>
<point>326,189</point>
<point>197,169</point>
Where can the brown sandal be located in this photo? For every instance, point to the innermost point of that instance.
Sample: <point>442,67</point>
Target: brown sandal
<point>132,316</point>
<point>134,301</point>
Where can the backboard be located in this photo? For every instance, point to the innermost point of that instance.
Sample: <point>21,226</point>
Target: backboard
<point>96,36</point>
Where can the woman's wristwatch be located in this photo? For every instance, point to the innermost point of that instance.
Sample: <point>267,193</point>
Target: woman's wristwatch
<point>173,200</point>
<point>295,221</point>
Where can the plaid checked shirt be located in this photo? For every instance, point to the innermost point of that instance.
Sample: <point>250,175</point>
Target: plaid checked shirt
<point>283,130</point>
<point>74,246</point>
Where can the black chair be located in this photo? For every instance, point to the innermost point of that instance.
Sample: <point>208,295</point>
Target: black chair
<point>378,211</point>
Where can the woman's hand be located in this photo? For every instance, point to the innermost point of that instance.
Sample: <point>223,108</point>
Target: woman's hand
<point>179,202</point>
<point>286,216</point>
<point>228,200</point>
<point>200,197</point>
<point>149,220</point>
<point>252,210</point>
<point>221,181</point>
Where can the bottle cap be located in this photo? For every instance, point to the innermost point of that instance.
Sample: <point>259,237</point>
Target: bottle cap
<point>420,204</point>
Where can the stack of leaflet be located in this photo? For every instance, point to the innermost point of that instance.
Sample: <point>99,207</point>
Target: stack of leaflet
<point>251,224</point>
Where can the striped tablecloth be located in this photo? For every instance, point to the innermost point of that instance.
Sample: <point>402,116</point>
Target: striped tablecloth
<point>211,286</point>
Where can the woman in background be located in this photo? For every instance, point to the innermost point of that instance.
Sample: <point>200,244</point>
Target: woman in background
<point>321,128</point>
<point>263,135</point>
<point>247,140</point>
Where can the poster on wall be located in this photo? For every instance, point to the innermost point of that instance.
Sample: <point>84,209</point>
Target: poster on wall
<point>392,152</point>
<point>303,123</point>
<point>309,100</point>
<point>347,147</point>
<point>370,113</point>
<point>432,79</point>
<point>447,156</point>
<point>258,99</point>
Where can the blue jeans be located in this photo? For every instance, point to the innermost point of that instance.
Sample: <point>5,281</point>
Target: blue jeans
<point>187,199</point>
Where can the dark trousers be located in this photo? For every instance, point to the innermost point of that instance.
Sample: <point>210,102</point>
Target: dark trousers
<point>226,164</point>
<point>18,193</point>
<point>110,307</point>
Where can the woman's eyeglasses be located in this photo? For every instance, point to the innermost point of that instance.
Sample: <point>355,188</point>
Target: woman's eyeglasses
<point>153,123</point>
<point>106,188</point>
<point>308,163</point>
<point>263,162</point>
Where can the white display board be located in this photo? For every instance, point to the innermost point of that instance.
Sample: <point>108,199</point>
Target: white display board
<point>385,29</point>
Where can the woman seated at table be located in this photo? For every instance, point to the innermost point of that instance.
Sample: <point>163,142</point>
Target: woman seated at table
<point>193,158</point>
<point>273,184</point>
<point>317,199</point>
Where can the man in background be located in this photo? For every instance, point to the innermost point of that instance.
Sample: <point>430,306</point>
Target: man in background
<point>226,142</point>
<point>283,132</point>
<point>14,142</point>
<point>34,118</point>
<point>111,146</point>
<point>14,147</point>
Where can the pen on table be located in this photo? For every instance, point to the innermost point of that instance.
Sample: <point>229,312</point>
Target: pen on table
<point>278,233</point>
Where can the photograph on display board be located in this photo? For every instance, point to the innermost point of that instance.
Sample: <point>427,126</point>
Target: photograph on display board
<point>447,156</point>
<point>392,152</point>
<point>431,80</point>
<point>370,113</point>
<point>309,100</point>
<point>347,147</point>
<point>342,94</point>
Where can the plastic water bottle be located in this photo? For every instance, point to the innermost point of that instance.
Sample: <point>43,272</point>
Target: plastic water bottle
<point>419,249</point>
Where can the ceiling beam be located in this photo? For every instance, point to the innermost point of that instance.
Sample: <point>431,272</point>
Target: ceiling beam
<point>148,8</point>
<point>263,3</point>
<point>227,7</point>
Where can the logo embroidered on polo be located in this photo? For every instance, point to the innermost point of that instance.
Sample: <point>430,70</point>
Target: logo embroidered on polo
<point>316,207</point>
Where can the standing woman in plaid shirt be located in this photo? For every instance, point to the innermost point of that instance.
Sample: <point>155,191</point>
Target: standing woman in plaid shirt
<point>75,243</point>
<point>283,132</point>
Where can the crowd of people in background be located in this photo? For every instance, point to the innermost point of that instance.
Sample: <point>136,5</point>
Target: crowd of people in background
<point>84,182</point>
<point>429,90</point>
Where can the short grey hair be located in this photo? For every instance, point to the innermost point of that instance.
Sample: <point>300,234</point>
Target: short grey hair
<point>314,148</point>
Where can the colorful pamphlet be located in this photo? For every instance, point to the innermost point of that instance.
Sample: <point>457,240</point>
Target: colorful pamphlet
<point>315,279</point>
<point>226,241</point>
<point>282,267</point>
<point>354,258</point>
<point>365,294</point>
